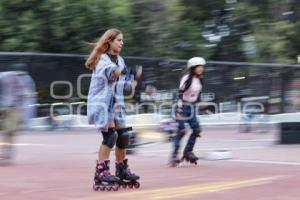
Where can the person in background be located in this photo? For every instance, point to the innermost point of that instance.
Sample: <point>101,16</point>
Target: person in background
<point>11,101</point>
<point>186,111</point>
<point>29,94</point>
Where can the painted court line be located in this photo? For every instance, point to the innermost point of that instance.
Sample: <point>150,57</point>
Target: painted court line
<point>266,162</point>
<point>183,191</point>
<point>28,144</point>
<point>203,149</point>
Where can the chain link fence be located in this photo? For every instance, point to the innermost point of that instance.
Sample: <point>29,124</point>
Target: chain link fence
<point>62,82</point>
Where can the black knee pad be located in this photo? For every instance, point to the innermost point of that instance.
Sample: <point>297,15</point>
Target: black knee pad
<point>109,138</point>
<point>197,132</point>
<point>123,138</point>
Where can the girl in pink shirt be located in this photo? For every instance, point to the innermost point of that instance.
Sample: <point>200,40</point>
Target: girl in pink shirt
<point>189,93</point>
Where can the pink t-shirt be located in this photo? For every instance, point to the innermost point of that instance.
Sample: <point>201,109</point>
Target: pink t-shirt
<point>191,94</point>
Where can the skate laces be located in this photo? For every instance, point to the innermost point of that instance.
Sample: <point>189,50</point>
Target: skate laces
<point>105,173</point>
<point>128,170</point>
<point>104,170</point>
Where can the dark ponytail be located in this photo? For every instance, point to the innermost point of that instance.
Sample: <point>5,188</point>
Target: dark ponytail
<point>189,81</point>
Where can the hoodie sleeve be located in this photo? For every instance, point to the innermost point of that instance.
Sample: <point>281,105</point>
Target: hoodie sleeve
<point>107,68</point>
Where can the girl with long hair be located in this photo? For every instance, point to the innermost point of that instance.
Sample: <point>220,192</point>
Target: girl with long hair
<point>106,109</point>
<point>186,112</point>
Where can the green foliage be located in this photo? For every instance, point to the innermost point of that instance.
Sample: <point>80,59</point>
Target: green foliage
<point>218,29</point>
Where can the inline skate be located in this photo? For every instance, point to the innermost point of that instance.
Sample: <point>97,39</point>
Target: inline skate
<point>190,157</point>
<point>127,179</point>
<point>175,161</point>
<point>103,179</point>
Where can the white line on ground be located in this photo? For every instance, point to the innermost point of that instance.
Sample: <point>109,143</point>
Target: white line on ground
<point>206,149</point>
<point>267,162</point>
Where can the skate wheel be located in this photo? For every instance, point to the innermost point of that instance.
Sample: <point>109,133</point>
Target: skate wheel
<point>136,185</point>
<point>115,187</point>
<point>102,188</point>
<point>109,188</point>
<point>96,188</point>
<point>130,185</point>
<point>171,165</point>
<point>123,185</point>
<point>174,164</point>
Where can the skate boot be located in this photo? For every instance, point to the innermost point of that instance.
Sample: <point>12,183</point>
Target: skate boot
<point>103,179</point>
<point>190,157</point>
<point>127,179</point>
<point>174,161</point>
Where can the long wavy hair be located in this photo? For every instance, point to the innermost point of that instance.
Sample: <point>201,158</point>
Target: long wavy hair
<point>101,46</point>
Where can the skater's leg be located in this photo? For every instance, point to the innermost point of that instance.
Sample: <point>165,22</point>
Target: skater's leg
<point>196,132</point>
<point>180,133</point>
<point>192,140</point>
<point>174,161</point>
<point>104,152</point>
<point>103,179</point>
<point>109,140</point>
<point>11,123</point>
<point>7,147</point>
<point>120,154</point>
<point>121,143</point>
<point>122,168</point>
<point>177,140</point>
<point>10,142</point>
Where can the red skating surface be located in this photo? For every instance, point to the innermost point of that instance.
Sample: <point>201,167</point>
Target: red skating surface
<point>60,166</point>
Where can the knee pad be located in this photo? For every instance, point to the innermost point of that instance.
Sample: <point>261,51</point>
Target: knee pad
<point>197,132</point>
<point>109,138</point>
<point>123,138</point>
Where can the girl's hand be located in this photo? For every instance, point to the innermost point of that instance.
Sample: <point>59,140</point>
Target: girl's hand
<point>133,85</point>
<point>179,103</point>
<point>179,108</point>
<point>118,72</point>
<point>139,71</point>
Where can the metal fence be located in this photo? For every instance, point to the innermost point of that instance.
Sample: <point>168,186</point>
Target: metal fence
<point>226,83</point>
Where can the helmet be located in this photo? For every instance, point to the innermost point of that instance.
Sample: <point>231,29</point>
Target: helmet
<point>195,61</point>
